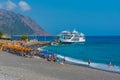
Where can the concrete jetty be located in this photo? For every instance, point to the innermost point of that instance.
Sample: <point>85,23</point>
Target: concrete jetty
<point>36,44</point>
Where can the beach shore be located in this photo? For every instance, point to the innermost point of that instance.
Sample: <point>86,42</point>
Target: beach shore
<point>13,67</point>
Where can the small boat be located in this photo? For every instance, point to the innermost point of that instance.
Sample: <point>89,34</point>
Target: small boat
<point>71,37</point>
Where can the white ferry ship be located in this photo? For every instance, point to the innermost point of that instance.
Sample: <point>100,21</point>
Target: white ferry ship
<point>71,37</point>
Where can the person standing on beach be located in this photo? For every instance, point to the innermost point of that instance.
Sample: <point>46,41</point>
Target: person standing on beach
<point>88,62</point>
<point>64,60</point>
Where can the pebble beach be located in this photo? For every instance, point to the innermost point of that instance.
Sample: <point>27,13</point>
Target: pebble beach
<point>13,67</point>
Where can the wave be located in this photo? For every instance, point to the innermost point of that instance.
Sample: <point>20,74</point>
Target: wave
<point>92,65</point>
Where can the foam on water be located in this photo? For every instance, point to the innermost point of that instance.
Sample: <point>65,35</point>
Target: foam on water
<point>73,60</point>
<point>93,65</point>
<point>105,67</point>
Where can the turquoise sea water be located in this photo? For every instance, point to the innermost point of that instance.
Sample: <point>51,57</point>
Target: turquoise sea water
<point>100,50</point>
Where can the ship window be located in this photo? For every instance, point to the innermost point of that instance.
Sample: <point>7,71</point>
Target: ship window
<point>76,35</point>
<point>67,36</point>
<point>75,39</point>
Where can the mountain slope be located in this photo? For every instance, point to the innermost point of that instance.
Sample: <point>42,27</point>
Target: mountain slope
<point>15,24</point>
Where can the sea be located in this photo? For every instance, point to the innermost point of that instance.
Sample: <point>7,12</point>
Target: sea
<point>100,50</point>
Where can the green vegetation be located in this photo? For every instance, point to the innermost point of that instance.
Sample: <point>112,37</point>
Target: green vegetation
<point>24,37</point>
<point>1,35</point>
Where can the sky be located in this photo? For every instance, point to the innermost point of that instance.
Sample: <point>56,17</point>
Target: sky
<point>92,17</point>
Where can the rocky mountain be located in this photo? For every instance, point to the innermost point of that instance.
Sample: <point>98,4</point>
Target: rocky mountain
<point>12,23</point>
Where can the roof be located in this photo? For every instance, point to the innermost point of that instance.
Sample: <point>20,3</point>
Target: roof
<point>65,32</point>
<point>75,32</point>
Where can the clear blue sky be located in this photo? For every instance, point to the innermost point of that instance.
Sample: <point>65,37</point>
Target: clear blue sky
<point>92,17</point>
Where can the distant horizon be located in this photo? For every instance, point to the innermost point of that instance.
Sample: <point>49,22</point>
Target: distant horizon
<point>85,35</point>
<point>93,18</point>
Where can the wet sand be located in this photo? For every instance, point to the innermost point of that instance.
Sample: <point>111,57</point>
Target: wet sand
<point>13,67</point>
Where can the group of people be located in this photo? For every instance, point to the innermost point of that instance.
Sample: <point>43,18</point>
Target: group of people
<point>49,57</point>
<point>52,58</point>
<point>31,53</point>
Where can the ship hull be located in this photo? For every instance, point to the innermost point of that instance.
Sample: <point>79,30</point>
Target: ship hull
<point>70,42</point>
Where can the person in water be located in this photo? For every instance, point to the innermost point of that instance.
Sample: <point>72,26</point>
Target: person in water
<point>110,64</point>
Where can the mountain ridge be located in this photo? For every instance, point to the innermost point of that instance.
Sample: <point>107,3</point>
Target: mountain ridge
<point>12,23</point>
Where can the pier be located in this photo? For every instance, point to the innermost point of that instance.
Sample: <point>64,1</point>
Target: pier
<point>36,44</point>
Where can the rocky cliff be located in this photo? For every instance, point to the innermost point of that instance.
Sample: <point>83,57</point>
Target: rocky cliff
<point>12,23</point>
